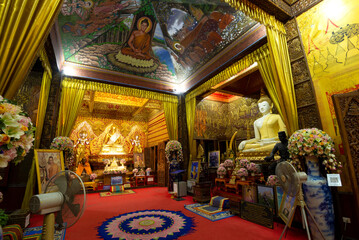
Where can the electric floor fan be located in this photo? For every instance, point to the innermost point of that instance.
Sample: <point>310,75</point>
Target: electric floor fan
<point>291,182</point>
<point>62,202</point>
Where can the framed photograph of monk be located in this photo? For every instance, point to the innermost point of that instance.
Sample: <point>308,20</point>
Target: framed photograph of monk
<point>213,159</point>
<point>48,163</point>
<point>139,160</point>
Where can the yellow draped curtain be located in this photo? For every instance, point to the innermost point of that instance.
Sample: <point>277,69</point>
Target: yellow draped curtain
<point>190,116</point>
<point>282,79</point>
<point>72,94</point>
<point>171,116</point>
<point>24,25</point>
<point>42,105</point>
<point>73,91</point>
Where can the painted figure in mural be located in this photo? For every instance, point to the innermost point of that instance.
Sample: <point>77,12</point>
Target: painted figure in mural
<point>140,41</point>
<point>102,14</point>
<point>282,147</point>
<point>265,128</point>
<point>82,146</point>
<point>137,148</point>
<point>80,7</point>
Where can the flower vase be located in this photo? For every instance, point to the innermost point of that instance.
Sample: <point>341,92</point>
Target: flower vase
<point>318,198</point>
<point>221,176</point>
<point>243,178</point>
<point>253,174</point>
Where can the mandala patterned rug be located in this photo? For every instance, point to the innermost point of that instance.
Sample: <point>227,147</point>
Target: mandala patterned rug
<point>146,225</point>
<point>213,215</point>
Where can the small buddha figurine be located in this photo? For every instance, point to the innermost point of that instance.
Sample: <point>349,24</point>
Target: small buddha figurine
<point>265,128</point>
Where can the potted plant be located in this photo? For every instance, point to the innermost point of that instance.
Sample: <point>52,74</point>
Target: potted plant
<point>272,180</point>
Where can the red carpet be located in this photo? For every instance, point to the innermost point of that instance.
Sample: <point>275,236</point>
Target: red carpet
<point>99,209</point>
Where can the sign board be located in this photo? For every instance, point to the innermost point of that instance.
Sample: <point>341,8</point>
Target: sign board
<point>257,213</point>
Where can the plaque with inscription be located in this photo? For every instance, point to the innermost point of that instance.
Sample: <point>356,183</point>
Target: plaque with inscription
<point>257,213</point>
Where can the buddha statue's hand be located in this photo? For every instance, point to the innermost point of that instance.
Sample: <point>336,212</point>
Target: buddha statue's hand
<point>242,145</point>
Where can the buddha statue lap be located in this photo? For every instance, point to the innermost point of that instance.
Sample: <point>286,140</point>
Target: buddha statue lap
<point>266,129</point>
<point>112,142</point>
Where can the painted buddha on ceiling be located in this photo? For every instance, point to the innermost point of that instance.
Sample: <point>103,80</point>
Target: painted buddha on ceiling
<point>113,142</point>
<point>266,128</point>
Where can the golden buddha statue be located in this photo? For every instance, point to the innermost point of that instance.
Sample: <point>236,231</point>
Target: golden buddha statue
<point>266,128</point>
<point>112,143</point>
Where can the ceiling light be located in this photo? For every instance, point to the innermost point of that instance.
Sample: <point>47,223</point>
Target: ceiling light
<point>68,71</point>
<point>179,89</point>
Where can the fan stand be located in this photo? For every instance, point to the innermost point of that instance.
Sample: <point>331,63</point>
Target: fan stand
<point>303,206</point>
<point>48,229</point>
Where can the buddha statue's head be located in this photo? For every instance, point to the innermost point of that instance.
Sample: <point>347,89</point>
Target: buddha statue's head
<point>265,104</point>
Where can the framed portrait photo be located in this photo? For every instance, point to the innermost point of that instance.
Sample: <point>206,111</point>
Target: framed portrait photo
<point>213,159</point>
<point>49,162</point>
<point>249,193</point>
<point>266,196</point>
<point>139,160</point>
<point>194,170</point>
<point>286,207</point>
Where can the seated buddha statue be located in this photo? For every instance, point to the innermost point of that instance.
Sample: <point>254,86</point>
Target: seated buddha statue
<point>112,143</point>
<point>266,128</point>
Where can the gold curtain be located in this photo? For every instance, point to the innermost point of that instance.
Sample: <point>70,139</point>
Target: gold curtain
<point>72,94</point>
<point>171,116</point>
<point>41,111</point>
<point>280,63</point>
<point>190,115</point>
<point>24,25</point>
<point>282,78</point>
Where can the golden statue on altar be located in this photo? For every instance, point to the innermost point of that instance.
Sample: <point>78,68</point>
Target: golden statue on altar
<point>266,128</point>
<point>113,142</point>
<point>82,146</point>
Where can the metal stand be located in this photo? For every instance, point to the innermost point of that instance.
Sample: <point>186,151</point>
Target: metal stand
<point>176,173</point>
<point>303,207</point>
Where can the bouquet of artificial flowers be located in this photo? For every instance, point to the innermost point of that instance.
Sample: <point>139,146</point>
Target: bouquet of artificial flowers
<point>272,180</point>
<point>243,163</point>
<point>253,168</point>
<point>228,163</point>
<point>16,133</point>
<point>314,142</point>
<point>221,171</point>
<point>242,172</point>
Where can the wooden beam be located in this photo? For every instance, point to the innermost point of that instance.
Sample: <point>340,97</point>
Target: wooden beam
<point>140,108</point>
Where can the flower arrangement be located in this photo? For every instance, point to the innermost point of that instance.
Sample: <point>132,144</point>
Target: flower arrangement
<point>314,142</point>
<point>135,170</point>
<point>272,180</point>
<point>243,163</point>
<point>123,161</point>
<point>242,172</point>
<point>16,133</point>
<point>253,168</point>
<point>221,171</point>
<point>64,144</point>
<point>228,163</point>
<point>174,146</point>
<point>148,170</point>
<point>93,176</point>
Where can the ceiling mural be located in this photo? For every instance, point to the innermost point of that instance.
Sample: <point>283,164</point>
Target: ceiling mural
<point>161,40</point>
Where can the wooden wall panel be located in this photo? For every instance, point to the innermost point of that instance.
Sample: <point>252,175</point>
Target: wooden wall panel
<point>157,130</point>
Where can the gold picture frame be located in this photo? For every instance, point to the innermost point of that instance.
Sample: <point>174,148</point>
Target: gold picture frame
<point>287,205</point>
<point>45,168</point>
